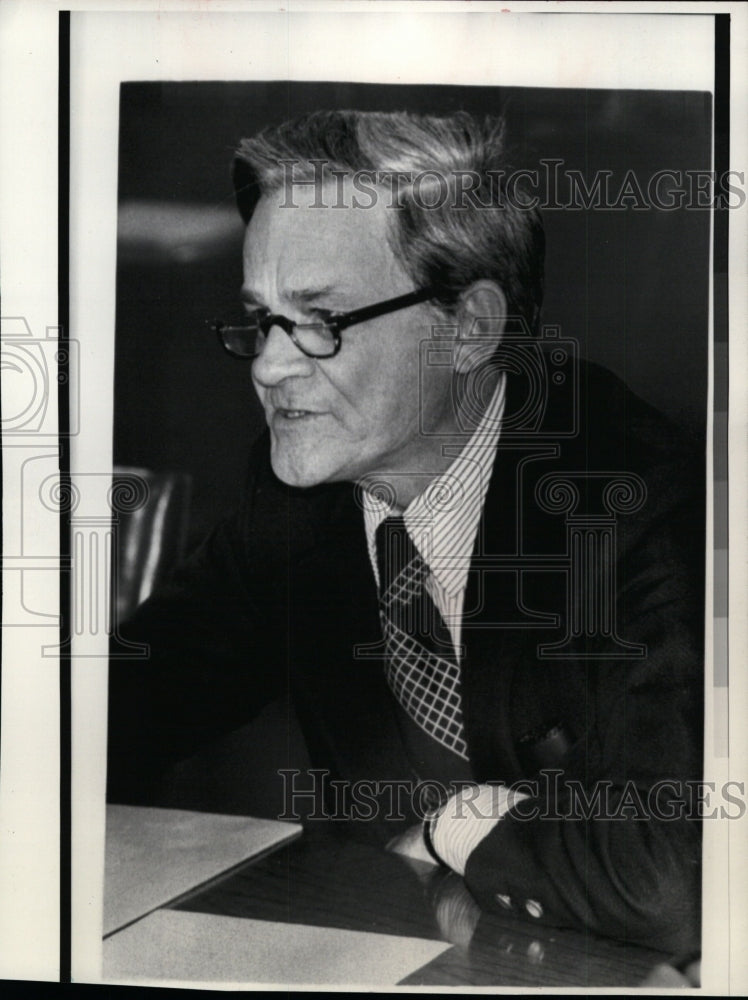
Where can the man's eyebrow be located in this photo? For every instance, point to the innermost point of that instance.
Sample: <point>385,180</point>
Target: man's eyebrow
<point>299,296</point>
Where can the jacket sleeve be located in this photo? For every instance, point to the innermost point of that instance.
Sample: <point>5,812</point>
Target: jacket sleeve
<point>206,663</point>
<point>611,841</point>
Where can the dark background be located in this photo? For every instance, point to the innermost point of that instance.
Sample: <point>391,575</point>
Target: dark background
<point>630,285</point>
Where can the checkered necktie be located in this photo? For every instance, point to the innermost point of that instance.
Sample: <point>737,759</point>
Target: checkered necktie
<point>421,666</point>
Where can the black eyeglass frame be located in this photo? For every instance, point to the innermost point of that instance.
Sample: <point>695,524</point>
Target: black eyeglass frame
<point>336,322</point>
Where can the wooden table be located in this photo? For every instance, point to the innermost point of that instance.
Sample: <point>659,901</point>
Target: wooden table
<point>326,880</point>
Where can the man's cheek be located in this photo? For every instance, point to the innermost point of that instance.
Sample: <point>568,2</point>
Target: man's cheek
<point>259,392</point>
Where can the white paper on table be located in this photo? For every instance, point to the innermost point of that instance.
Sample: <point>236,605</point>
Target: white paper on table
<point>182,946</point>
<point>154,856</point>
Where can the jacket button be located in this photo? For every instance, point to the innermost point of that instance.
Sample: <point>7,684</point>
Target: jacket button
<point>504,901</point>
<point>534,908</point>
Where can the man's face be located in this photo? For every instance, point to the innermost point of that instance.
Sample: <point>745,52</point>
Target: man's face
<point>354,416</point>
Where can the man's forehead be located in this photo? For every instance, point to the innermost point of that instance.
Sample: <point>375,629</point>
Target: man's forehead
<point>314,247</point>
<point>319,208</point>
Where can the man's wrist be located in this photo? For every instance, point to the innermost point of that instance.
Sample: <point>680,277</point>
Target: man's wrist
<point>465,820</point>
<point>429,823</point>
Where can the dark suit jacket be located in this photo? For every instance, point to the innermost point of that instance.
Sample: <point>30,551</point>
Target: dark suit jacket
<point>279,596</point>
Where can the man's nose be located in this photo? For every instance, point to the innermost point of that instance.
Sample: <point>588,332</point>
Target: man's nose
<point>280,359</point>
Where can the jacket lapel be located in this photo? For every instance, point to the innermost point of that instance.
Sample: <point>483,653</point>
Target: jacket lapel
<point>500,633</point>
<point>490,650</point>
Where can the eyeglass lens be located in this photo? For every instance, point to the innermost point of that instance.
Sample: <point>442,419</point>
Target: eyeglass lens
<point>247,339</point>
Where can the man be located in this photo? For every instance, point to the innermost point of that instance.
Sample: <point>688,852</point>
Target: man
<point>473,563</point>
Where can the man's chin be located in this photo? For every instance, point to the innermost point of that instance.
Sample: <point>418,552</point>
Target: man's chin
<point>299,475</point>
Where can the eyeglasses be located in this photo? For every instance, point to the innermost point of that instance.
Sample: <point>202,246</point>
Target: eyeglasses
<point>320,339</point>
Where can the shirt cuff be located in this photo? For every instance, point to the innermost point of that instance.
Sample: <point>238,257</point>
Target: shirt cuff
<point>467,818</point>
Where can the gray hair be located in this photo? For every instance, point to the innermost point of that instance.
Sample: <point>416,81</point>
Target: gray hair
<point>448,244</point>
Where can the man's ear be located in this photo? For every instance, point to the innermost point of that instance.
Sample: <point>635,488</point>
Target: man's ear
<point>481,314</point>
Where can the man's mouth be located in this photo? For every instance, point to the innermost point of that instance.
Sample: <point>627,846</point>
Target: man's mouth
<point>292,414</point>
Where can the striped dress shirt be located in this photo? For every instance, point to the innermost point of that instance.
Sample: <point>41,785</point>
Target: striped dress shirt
<point>443,519</point>
<point>443,522</point>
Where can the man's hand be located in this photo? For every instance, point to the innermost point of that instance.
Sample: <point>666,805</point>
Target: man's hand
<point>411,845</point>
<point>456,911</point>
<point>666,976</point>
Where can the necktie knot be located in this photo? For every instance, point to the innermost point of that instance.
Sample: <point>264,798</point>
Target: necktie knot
<point>402,570</point>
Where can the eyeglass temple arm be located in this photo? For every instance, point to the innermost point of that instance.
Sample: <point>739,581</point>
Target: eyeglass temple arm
<point>382,308</point>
